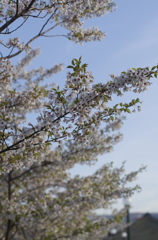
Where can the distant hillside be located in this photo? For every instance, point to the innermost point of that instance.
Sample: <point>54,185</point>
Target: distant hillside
<point>135,216</point>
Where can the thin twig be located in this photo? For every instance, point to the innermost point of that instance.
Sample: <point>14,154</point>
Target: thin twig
<point>17,7</point>
<point>15,17</point>
<point>17,27</point>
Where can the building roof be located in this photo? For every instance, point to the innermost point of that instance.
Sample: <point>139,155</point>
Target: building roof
<point>145,228</point>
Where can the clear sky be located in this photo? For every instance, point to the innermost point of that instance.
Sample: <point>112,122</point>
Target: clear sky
<point>132,41</point>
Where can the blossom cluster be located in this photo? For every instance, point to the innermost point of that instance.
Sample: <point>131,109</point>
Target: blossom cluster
<point>15,42</point>
<point>79,97</point>
<point>67,209</point>
<point>75,126</point>
<point>68,14</point>
<point>74,113</point>
<point>72,125</point>
<point>86,35</point>
<point>6,70</point>
<point>133,78</point>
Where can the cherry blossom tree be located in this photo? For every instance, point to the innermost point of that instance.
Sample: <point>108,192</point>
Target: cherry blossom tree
<point>73,124</point>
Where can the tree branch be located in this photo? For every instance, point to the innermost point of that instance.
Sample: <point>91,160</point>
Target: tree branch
<point>32,39</point>
<point>16,16</point>
<point>17,7</point>
<point>9,198</point>
<point>17,27</point>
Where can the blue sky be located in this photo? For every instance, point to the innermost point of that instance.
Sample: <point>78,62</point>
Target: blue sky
<point>132,41</point>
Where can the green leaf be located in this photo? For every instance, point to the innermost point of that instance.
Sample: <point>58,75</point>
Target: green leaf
<point>128,110</point>
<point>70,66</point>
<point>47,143</point>
<point>73,62</point>
<point>111,118</point>
<point>84,65</point>
<point>80,58</point>
<point>48,106</point>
